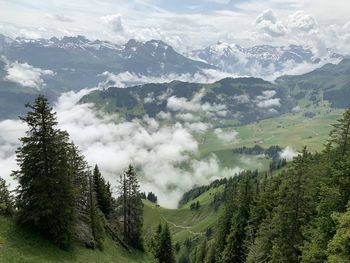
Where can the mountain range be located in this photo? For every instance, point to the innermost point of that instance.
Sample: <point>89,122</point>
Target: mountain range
<point>237,101</point>
<point>261,60</point>
<point>56,65</point>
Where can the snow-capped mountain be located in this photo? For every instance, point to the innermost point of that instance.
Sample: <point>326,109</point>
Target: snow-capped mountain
<point>151,58</point>
<point>262,60</point>
<point>55,65</point>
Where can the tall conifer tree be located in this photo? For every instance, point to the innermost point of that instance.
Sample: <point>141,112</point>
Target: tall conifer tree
<point>132,208</point>
<point>103,192</point>
<point>46,191</point>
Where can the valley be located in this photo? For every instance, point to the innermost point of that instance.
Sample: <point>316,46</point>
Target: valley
<point>153,131</point>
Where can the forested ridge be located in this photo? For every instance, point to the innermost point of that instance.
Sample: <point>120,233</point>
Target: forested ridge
<point>300,214</point>
<point>295,212</point>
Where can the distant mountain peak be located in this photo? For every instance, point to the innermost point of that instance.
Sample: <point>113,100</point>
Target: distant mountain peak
<point>75,39</point>
<point>260,60</point>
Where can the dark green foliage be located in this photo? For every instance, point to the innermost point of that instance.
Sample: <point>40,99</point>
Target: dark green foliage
<point>56,195</point>
<point>86,209</point>
<point>277,164</point>
<point>152,197</point>
<point>103,192</point>
<point>155,243</point>
<point>299,215</point>
<point>197,191</point>
<point>6,199</point>
<point>143,196</point>
<point>177,247</point>
<point>339,246</point>
<point>95,216</point>
<point>209,233</point>
<point>340,134</point>
<point>46,192</point>
<point>166,250</point>
<point>198,255</point>
<point>218,199</point>
<point>293,212</point>
<point>183,259</point>
<point>234,250</point>
<point>272,152</point>
<point>161,245</point>
<point>188,244</point>
<point>132,208</point>
<point>195,206</point>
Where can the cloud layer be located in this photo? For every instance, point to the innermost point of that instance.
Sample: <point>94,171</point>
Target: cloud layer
<point>184,24</point>
<point>159,152</point>
<point>27,75</point>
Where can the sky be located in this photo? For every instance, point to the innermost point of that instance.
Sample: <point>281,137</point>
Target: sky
<point>185,24</point>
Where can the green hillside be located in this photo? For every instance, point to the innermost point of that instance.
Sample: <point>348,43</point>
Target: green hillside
<point>184,223</point>
<point>20,246</point>
<point>291,129</point>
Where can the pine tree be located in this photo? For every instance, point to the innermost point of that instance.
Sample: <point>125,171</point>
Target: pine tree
<point>293,212</point>
<point>225,220</point>
<point>210,255</point>
<point>95,217</point>
<point>103,192</point>
<point>340,135</point>
<point>46,191</point>
<point>332,183</point>
<point>235,250</point>
<point>155,243</point>
<point>201,253</point>
<point>132,208</point>
<point>80,173</point>
<point>259,231</point>
<point>6,199</point>
<point>339,246</point>
<point>166,251</point>
<point>152,197</point>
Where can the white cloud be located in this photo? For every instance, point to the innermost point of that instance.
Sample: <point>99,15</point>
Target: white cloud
<point>269,103</point>
<point>209,169</point>
<point>288,153</point>
<point>268,24</point>
<point>164,115</point>
<point>267,94</point>
<point>197,127</point>
<point>10,131</point>
<point>187,117</point>
<point>302,21</point>
<point>195,105</point>
<point>59,17</point>
<point>115,22</point>
<point>266,100</point>
<point>226,136</point>
<point>241,98</point>
<point>267,15</point>
<point>128,79</point>
<point>26,75</point>
<point>113,143</point>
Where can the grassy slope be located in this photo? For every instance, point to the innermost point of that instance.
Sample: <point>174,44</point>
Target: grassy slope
<point>183,222</point>
<point>292,129</point>
<point>20,246</point>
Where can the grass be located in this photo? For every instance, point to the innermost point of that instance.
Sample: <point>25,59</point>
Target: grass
<point>21,246</point>
<point>292,129</point>
<point>183,222</point>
